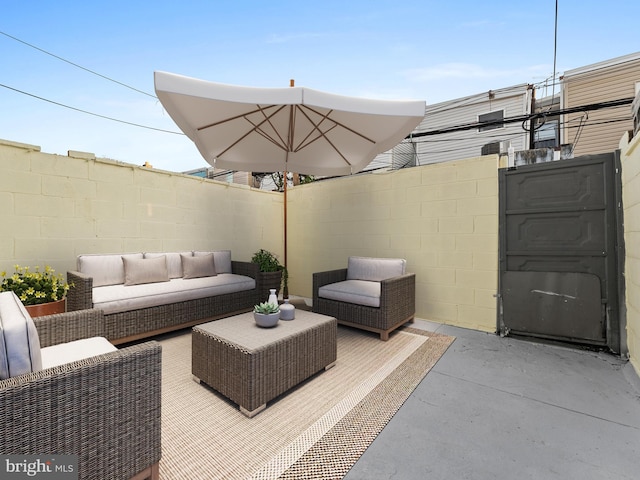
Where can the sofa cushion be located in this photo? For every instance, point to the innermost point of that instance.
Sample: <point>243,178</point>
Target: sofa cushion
<point>196,267</point>
<point>174,262</point>
<point>145,270</point>
<point>105,269</point>
<point>375,269</point>
<point>120,298</point>
<point>19,342</point>
<point>77,350</point>
<point>360,292</point>
<point>221,259</point>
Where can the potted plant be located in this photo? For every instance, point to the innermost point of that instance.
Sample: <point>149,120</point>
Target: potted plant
<point>266,314</point>
<point>271,273</point>
<point>41,292</point>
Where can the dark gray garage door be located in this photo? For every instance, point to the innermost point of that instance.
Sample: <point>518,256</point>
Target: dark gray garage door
<point>559,251</point>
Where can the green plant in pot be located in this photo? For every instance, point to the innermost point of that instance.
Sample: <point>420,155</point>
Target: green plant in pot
<point>266,314</point>
<point>35,287</point>
<point>271,273</point>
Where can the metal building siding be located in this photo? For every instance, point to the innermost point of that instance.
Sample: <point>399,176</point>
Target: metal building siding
<point>611,81</point>
<point>468,143</point>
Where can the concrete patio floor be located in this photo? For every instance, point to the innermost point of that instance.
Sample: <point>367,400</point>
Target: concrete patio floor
<point>506,408</point>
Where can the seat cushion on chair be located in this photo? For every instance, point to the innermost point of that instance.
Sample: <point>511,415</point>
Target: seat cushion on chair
<point>375,269</point>
<point>77,350</point>
<point>19,342</point>
<point>360,292</point>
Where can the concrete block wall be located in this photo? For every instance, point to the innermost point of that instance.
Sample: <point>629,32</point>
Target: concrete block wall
<point>443,218</point>
<point>630,159</point>
<point>56,207</point>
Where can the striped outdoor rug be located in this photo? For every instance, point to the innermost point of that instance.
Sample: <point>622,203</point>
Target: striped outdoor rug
<point>316,430</point>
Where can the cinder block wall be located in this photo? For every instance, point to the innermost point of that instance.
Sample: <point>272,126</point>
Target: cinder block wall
<point>53,208</point>
<point>442,218</point>
<point>630,158</point>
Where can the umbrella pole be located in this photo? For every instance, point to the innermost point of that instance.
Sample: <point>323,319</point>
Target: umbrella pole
<point>285,289</point>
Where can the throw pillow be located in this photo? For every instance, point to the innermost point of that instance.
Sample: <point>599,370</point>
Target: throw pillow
<point>195,267</point>
<point>145,270</point>
<point>221,260</point>
<point>105,269</point>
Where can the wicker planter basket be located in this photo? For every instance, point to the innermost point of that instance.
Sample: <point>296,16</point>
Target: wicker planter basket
<point>267,281</point>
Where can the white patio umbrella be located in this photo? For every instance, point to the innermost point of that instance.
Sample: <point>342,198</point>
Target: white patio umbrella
<point>293,129</point>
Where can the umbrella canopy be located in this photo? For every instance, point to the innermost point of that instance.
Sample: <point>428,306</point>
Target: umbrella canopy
<point>293,129</point>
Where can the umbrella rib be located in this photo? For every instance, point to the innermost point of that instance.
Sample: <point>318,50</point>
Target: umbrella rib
<point>355,132</point>
<point>323,134</point>
<point>242,115</point>
<point>256,127</point>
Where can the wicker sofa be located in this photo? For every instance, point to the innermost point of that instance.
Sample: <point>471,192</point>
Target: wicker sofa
<point>106,409</point>
<point>374,294</point>
<point>145,294</point>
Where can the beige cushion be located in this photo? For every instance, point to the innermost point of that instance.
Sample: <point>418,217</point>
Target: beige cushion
<point>360,292</point>
<point>105,269</point>
<point>19,342</point>
<point>375,269</point>
<point>198,266</point>
<point>145,270</point>
<point>221,260</point>
<point>174,262</point>
<point>120,298</point>
<point>77,350</point>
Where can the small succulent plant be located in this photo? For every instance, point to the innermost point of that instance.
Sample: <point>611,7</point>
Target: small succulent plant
<point>266,308</point>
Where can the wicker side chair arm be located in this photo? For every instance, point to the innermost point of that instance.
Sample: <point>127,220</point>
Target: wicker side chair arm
<point>70,326</point>
<point>325,278</point>
<point>400,288</point>
<point>80,295</point>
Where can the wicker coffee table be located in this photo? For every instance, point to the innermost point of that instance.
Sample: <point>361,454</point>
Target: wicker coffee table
<point>251,365</point>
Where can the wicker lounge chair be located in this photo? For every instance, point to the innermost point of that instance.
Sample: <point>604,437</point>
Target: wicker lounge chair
<point>373,294</point>
<point>105,409</point>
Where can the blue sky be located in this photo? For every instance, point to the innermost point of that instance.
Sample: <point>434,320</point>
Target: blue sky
<point>428,50</point>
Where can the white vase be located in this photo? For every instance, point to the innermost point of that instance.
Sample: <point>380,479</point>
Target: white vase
<point>287,311</point>
<point>273,298</point>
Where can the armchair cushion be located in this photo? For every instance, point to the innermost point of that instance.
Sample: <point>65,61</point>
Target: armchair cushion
<point>360,292</point>
<point>19,343</point>
<point>375,269</point>
<point>77,350</point>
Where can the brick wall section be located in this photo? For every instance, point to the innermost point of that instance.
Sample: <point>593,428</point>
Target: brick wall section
<point>56,207</point>
<point>442,218</point>
<point>630,158</point>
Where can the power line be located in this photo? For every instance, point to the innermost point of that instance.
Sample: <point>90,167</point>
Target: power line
<point>524,118</point>
<point>89,113</point>
<point>77,66</point>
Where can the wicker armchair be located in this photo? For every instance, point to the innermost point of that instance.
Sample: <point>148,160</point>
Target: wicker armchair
<point>105,409</point>
<point>397,300</point>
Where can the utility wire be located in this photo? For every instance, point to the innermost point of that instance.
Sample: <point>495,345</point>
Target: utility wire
<point>523,118</point>
<point>77,66</point>
<point>89,113</point>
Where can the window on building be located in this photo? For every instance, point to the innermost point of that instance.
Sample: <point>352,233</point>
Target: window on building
<point>496,116</point>
<point>548,135</point>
